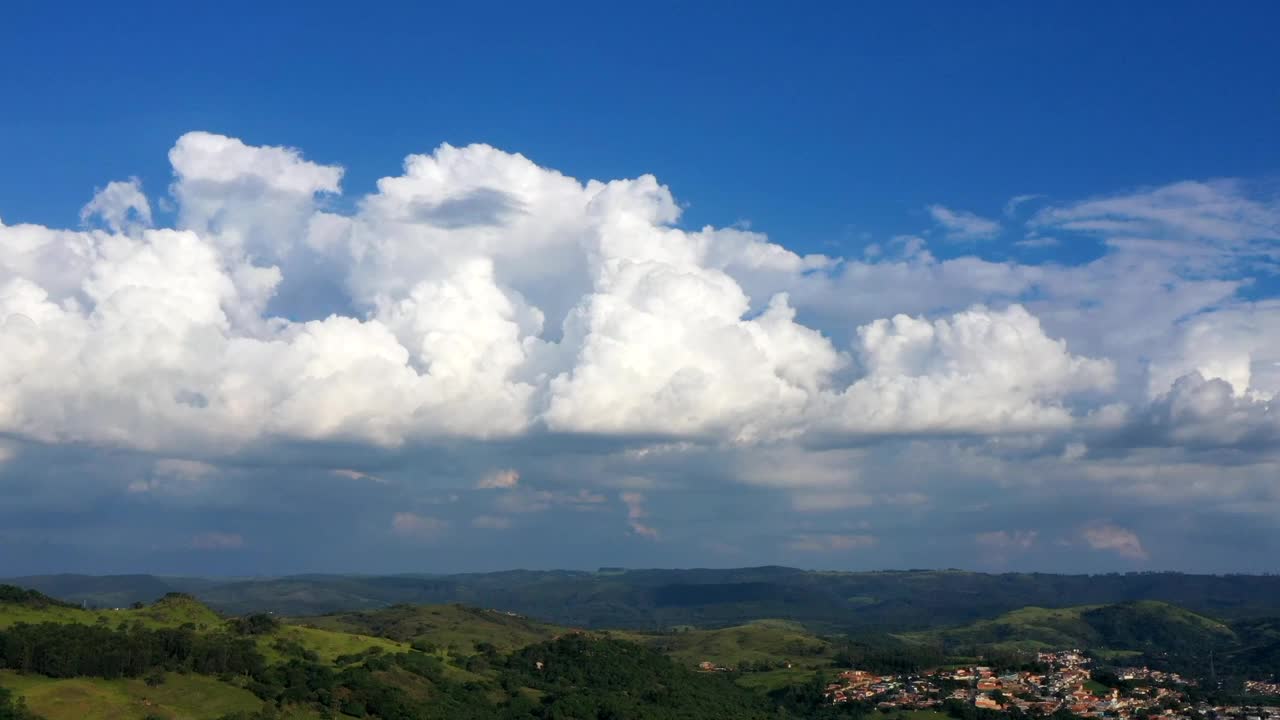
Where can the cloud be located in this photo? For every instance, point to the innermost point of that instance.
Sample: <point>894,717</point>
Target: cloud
<point>356,475</point>
<point>1017,201</point>
<point>636,513</point>
<point>1038,241</point>
<point>978,371</point>
<point>417,527</point>
<point>1114,539</point>
<point>120,205</point>
<point>1239,345</point>
<point>174,476</point>
<point>499,479</point>
<point>578,308</point>
<point>478,312</point>
<point>1207,413</point>
<point>963,225</point>
<point>531,501</point>
<point>1201,226</point>
<point>217,541</point>
<point>831,542</point>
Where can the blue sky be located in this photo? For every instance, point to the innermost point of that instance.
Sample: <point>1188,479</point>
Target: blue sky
<point>1071,207</point>
<point>819,123</point>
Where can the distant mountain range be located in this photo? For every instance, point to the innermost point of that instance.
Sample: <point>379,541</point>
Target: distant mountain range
<point>660,599</point>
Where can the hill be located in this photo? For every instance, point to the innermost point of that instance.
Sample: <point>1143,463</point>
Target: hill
<point>768,653</point>
<point>176,658</point>
<point>76,673</point>
<point>178,697</point>
<point>109,591</point>
<point>658,600</point>
<point>456,628</point>
<point>1158,631</point>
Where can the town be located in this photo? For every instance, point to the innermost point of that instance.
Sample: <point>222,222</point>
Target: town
<point>1062,681</point>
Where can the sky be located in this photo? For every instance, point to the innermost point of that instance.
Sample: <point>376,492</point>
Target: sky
<point>461,287</point>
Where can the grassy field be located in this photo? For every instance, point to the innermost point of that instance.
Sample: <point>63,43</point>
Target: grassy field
<point>764,641</point>
<point>456,629</point>
<point>1032,629</point>
<point>167,612</point>
<point>776,679</point>
<point>773,641</point>
<point>181,697</point>
<point>327,644</point>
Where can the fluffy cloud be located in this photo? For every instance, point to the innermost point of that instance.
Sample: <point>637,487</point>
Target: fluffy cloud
<point>489,297</point>
<point>120,206</point>
<point>1239,345</point>
<point>1114,539</point>
<point>977,371</point>
<point>636,514</point>
<point>478,312</point>
<point>1199,412</point>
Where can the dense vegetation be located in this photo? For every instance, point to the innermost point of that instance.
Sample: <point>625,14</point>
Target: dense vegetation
<point>1142,626</point>
<point>441,626</point>
<point>72,650</point>
<point>14,708</point>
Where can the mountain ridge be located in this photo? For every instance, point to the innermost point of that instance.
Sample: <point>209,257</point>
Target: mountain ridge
<point>655,599</point>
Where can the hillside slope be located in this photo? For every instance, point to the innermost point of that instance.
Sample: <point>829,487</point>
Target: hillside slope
<point>1146,626</point>
<point>456,627</point>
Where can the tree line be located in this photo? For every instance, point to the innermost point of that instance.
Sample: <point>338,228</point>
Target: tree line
<point>64,650</point>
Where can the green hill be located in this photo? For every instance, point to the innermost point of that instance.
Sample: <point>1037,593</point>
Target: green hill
<point>1135,627</point>
<point>456,628</point>
<point>767,654</point>
<point>177,659</point>
<point>660,599</point>
<point>772,642</point>
<point>27,615</point>
<point>458,631</point>
<point>179,697</point>
<point>579,676</point>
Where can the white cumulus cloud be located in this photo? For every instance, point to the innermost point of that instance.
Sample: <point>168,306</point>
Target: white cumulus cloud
<point>483,296</point>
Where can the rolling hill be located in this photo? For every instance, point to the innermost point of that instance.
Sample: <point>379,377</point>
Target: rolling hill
<point>456,628</point>
<point>661,599</point>
<point>170,695</point>
<point>1146,628</point>
<point>177,659</point>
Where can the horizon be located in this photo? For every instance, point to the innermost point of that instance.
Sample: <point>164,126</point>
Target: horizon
<point>609,569</point>
<point>988,287</point>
